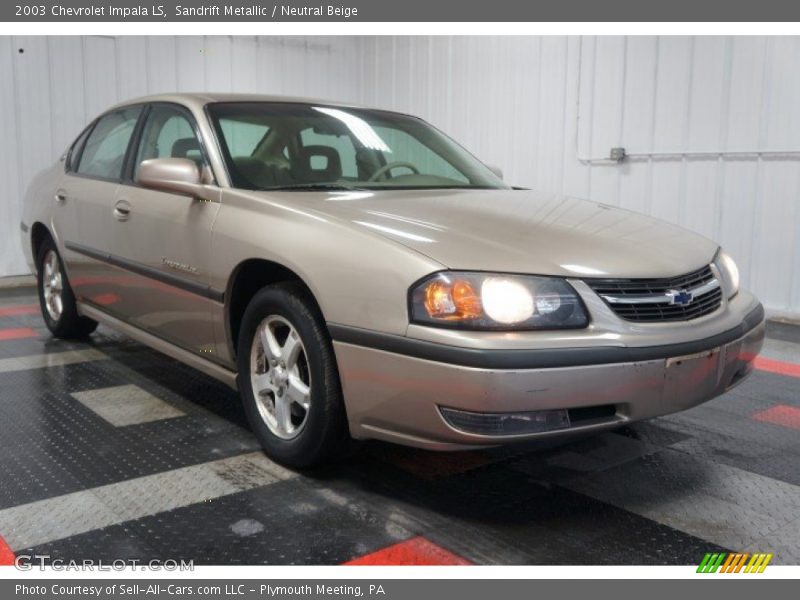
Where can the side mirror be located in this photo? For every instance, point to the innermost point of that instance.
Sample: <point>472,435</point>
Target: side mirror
<point>175,175</point>
<point>496,170</point>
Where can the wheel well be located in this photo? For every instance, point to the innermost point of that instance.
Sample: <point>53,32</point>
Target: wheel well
<point>250,277</point>
<point>39,234</point>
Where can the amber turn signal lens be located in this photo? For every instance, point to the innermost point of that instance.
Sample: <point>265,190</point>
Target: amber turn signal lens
<point>466,300</point>
<point>455,301</point>
<point>438,302</point>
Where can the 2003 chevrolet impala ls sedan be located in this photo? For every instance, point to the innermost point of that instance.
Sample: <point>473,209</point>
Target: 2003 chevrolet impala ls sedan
<point>357,274</point>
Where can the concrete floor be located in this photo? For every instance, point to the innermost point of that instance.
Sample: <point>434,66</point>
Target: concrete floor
<point>113,451</point>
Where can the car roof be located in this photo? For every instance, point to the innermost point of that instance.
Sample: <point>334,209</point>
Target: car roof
<point>199,100</point>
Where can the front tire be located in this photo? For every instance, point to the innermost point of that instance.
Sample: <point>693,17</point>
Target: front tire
<point>288,378</point>
<point>56,299</point>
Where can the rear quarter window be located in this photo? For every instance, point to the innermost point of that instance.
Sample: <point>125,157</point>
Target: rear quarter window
<point>74,153</point>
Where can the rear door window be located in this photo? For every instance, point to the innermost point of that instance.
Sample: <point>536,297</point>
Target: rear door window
<point>103,154</point>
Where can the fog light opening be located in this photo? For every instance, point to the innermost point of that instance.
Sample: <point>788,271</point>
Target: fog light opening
<point>499,424</point>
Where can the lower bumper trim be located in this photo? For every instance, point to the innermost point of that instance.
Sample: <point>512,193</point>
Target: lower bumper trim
<point>540,358</point>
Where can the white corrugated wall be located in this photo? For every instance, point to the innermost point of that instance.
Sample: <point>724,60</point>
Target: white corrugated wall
<point>712,123</point>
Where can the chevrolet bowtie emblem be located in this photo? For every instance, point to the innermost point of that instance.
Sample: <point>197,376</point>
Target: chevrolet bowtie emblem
<point>680,297</point>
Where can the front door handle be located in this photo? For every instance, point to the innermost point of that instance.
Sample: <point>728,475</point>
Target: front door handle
<point>61,196</point>
<point>122,210</point>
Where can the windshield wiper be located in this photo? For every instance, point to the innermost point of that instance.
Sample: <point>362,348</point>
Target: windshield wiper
<point>304,187</point>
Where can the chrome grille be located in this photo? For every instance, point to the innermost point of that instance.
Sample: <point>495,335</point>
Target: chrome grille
<point>671,299</point>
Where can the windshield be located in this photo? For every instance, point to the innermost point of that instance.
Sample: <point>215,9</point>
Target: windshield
<point>283,146</point>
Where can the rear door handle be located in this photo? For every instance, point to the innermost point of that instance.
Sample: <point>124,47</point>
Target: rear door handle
<point>122,210</point>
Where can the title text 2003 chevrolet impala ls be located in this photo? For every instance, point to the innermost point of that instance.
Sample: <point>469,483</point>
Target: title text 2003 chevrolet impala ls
<point>355,273</point>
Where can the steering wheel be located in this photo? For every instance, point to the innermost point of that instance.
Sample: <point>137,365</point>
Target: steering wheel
<point>393,165</point>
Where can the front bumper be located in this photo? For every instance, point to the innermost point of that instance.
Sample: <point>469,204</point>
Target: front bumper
<point>395,394</point>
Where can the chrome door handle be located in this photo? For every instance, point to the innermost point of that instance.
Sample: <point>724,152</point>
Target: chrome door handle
<point>122,210</point>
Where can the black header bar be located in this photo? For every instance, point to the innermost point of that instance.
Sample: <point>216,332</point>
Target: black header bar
<point>400,11</point>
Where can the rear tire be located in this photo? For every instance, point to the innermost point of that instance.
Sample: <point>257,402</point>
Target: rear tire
<point>56,299</point>
<point>288,378</point>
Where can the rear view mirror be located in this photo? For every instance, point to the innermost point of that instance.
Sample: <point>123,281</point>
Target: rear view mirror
<point>175,175</point>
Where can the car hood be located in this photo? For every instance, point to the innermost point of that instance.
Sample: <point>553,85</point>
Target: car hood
<point>520,231</point>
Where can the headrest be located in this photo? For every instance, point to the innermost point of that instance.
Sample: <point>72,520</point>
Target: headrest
<point>184,146</point>
<point>317,163</point>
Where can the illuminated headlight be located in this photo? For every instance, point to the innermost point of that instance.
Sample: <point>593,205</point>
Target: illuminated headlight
<point>492,301</point>
<point>506,301</point>
<point>729,273</point>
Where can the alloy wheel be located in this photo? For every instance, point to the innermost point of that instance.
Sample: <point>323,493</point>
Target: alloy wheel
<point>280,377</point>
<point>52,286</point>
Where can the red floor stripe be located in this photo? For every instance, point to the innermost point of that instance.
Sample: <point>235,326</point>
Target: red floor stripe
<point>17,333</point>
<point>416,551</point>
<point>106,299</point>
<point>6,555</point>
<point>777,366</point>
<point>23,309</point>
<point>780,414</point>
